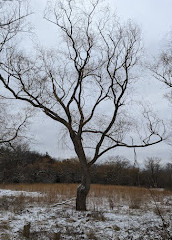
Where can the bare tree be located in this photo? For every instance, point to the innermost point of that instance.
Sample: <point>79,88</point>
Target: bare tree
<point>153,167</point>
<point>12,22</point>
<point>162,69</point>
<point>85,84</point>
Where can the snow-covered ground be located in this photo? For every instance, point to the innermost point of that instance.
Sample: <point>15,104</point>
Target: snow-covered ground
<point>105,220</point>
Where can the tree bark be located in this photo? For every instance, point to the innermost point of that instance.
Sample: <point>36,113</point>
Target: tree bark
<point>84,187</point>
<point>83,190</point>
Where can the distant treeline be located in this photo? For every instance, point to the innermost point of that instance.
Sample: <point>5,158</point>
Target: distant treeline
<point>23,166</point>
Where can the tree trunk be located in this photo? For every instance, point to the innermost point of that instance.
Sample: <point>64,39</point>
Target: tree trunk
<point>83,190</point>
<point>84,187</point>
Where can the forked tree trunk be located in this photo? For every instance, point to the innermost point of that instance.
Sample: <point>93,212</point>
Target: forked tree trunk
<point>82,191</point>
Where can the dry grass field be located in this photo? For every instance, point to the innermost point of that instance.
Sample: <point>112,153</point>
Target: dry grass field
<point>53,193</point>
<point>114,212</point>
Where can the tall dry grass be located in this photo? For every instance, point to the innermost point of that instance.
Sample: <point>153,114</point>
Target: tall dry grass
<point>99,194</point>
<point>51,193</point>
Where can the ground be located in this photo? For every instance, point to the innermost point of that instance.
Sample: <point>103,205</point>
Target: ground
<point>115,216</point>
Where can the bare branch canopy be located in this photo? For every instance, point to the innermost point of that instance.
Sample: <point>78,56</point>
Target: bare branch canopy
<point>12,22</point>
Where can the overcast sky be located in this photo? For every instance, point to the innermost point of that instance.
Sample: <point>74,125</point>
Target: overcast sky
<point>155,20</point>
